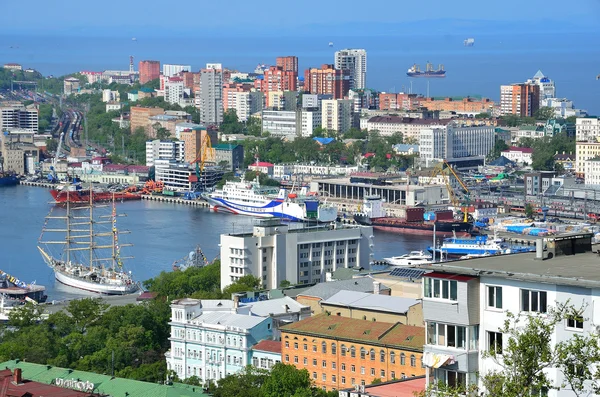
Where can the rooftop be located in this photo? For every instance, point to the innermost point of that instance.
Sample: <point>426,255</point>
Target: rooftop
<point>375,332</point>
<point>272,346</point>
<point>408,120</point>
<point>224,146</point>
<point>229,319</point>
<point>261,164</point>
<point>409,387</point>
<point>376,302</point>
<point>329,289</point>
<point>580,270</point>
<point>274,306</point>
<point>518,149</point>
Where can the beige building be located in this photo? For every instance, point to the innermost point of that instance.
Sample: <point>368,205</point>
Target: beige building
<point>375,307</point>
<point>583,152</point>
<point>336,114</point>
<point>71,85</point>
<point>18,152</point>
<point>139,117</point>
<point>193,138</point>
<point>587,129</point>
<point>17,116</point>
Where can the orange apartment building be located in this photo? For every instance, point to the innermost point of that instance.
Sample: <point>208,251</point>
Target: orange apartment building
<point>464,105</point>
<point>391,101</point>
<point>327,80</point>
<point>340,352</point>
<point>149,70</point>
<point>520,99</point>
<point>139,116</point>
<point>278,79</point>
<point>289,64</point>
<point>193,138</point>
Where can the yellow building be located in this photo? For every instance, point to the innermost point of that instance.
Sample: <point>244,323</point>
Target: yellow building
<point>585,151</point>
<point>340,352</point>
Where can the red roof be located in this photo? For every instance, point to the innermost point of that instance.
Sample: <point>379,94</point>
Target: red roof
<point>518,149</point>
<point>449,276</point>
<point>367,155</point>
<point>261,164</point>
<point>268,346</point>
<point>35,389</point>
<point>175,79</point>
<point>400,388</point>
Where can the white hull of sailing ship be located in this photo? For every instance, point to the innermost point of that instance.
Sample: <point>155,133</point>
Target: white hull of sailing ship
<point>110,284</point>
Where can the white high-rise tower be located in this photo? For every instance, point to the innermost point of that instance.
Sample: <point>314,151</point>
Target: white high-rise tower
<point>354,60</point>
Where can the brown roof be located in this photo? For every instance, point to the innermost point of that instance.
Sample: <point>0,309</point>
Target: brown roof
<point>375,332</point>
<point>35,389</point>
<point>268,346</point>
<point>408,120</point>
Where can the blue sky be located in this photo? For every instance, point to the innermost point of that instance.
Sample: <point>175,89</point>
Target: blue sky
<point>78,16</point>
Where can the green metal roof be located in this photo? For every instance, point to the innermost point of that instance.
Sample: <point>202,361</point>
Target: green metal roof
<point>224,146</point>
<point>103,384</point>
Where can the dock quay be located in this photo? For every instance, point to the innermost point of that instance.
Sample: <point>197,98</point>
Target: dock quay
<point>52,307</point>
<point>175,200</point>
<point>46,185</point>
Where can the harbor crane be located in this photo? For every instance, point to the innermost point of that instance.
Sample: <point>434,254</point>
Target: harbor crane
<point>441,170</point>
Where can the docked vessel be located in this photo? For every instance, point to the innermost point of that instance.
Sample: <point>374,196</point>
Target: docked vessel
<point>8,179</point>
<point>252,199</point>
<point>412,258</point>
<point>75,194</point>
<point>84,263</point>
<point>373,214</point>
<point>477,246</point>
<point>415,71</point>
<point>195,258</point>
<point>13,289</point>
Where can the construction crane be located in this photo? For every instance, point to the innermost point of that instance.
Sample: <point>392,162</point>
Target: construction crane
<point>206,154</point>
<point>440,169</point>
<point>52,176</point>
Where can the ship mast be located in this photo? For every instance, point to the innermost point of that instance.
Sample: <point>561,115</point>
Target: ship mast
<point>91,229</point>
<point>114,233</point>
<point>68,229</point>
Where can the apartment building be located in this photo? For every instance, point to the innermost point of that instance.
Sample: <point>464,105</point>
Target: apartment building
<point>149,70</point>
<point>462,146</point>
<point>193,135</point>
<point>18,152</point>
<point>519,99</point>
<point>410,128</point>
<point>140,117</point>
<point>336,114</point>
<point>232,154</point>
<point>585,151</point>
<point>71,85</point>
<point>237,96</point>
<point>400,101</point>
<point>24,118</point>
<point>174,90</point>
<point>174,70</point>
<point>164,150</point>
<point>282,171</point>
<point>308,121</point>
<point>467,105</point>
<point>327,80</point>
<point>340,352</point>
<point>466,304</point>
<point>587,129</point>
<point>211,94</point>
<point>355,62</point>
<point>546,86</point>
<point>280,123</point>
<point>274,252</point>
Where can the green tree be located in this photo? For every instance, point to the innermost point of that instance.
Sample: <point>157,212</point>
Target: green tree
<point>51,145</point>
<point>544,113</point>
<point>395,139</point>
<point>285,380</point>
<point>247,382</point>
<point>85,312</point>
<point>231,124</point>
<point>355,133</point>
<point>529,212</point>
<point>483,116</point>
<point>376,381</point>
<point>499,146</point>
<point>284,284</point>
<point>254,126</point>
<point>25,316</point>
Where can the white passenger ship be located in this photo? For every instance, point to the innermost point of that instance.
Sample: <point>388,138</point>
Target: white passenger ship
<point>252,199</point>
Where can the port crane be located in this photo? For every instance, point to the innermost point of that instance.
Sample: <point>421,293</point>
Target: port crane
<point>441,170</point>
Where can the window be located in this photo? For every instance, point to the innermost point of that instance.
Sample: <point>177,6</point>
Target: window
<point>305,361</point>
<point>352,351</point>
<point>314,348</point>
<point>353,381</point>
<point>413,360</point>
<point>402,359</point>
<point>495,342</point>
<point>343,366</point>
<point>363,353</point>
<point>333,365</point>
<point>353,368</point>
<point>495,297</point>
<point>393,358</point>
<point>333,379</point>
<point>343,380</point>
<point>441,289</point>
<point>333,348</point>
<point>372,354</point>
<point>305,347</point>
<point>575,321</point>
<point>324,364</point>
<point>446,335</point>
<point>382,373</point>
<point>533,301</point>
<point>382,356</point>
<point>343,350</point>
<point>324,377</point>
<point>287,358</point>
<point>372,371</point>
<point>315,362</point>
<point>456,379</point>
<point>296,345</point>
<point>287,344</point>
<point>362,370</point>
<point>314,375</point>
<point>324,347</point>
<point>296,359</point>
<point>393,374</point>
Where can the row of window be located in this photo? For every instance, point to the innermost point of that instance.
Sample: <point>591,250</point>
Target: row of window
<point>362,381</point>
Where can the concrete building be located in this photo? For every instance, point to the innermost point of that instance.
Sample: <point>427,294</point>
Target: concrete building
<point>237,96</point>
<point>211,341</point>
<point>179,177</point>
<point>336,115</point>
<point>463,106</point>
<point>110,96</point>
<point>327,80</point>
<point>400,101</point>
<point>164,150</point>
<point>538,182</point>
<point>340,352</point>
<point>263,167</point>
<point>308,121</point>
<point>563,107</point>
<point>283,77</point>
<point>232,154</point>
<point>592,171</point>
<point>460,146</point>
<point>275,100</point>
<point>364,99</point>
<point>19,117</point>
<point>140,117</point>
<point>174,70</point>
<point>280,123</point>
<point>375,307</point>
<point>13,66</point>
<point>274,252</point>
<point>288,63</point>
<point>174,90</point>
<point>410,128</point>
<point>211,94</point>
<point>355,62</point>
<point>168,121</point>
<point>546,86</point>
<point>587,129</point>
<point>285,171</point>
<point>266,353</point>
<point>194,136</point>
<point>583,152</point>
<point>70,86</point>
<point>18,152</point>
<point>149,70</point>
<point>481,293</point>
<point>521,155</point>
<point>519,99</point>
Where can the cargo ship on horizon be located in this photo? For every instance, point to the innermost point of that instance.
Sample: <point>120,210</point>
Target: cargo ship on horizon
<point>415,222</point>
<point>415,71</point>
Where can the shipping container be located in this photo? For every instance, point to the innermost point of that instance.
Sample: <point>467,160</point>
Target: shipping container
<point>415,214</point>
<point>444,215</point>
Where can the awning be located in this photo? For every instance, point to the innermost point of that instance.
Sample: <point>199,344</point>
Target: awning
<point>433,360</point>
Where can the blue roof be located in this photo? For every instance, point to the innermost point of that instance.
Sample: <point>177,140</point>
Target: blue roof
<point>324,141</point>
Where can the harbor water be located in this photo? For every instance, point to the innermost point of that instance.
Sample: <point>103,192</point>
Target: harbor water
<point>160,233</point>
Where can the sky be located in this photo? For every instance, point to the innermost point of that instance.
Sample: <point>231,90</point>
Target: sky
<point>76,17</point>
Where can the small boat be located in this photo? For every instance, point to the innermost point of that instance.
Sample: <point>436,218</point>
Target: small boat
<point>331,44</point>
<point>412,258</point>
<point>469,42</point>
<point>458,247</point>
<point>195,258</point>
<point>473,256</point>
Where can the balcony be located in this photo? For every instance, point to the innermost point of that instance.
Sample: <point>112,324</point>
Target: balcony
<point>451,359</point>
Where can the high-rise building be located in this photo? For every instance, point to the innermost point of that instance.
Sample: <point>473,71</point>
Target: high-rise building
<point>211,94</point>
<point>276,78</point>
<point>288,63</point>
<point>547,88</point>
<point>520,99</point>
<point>19,117</point>
<point>354,61</point>
<point>149,70</point>
<point>172,70</point>
<point>193,138</point>
<point>327,80</point>
<point>174,90</point>
<point>164,150</point>
<point>336,114</point>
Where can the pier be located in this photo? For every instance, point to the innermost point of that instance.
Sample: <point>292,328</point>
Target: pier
<point>175,200</point>
<point>46,185</point>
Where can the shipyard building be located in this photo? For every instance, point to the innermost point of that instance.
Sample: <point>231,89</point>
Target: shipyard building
<point>275,252</point>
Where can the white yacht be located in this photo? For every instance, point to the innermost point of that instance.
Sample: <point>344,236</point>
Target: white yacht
<point>412,258</point>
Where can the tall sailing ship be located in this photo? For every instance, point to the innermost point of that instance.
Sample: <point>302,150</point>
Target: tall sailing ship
<point>91,254</point>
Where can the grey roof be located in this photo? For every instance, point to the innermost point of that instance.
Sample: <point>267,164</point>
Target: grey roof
<point>206,304</point>
<point>327,290</point>
<point>229,319</point>
<point>274,306</point>
<point>581,270</point>
<point>363,300</point>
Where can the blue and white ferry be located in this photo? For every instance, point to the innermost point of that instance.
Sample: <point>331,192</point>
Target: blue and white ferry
<point>478,245</point>
<point>252,199</point>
